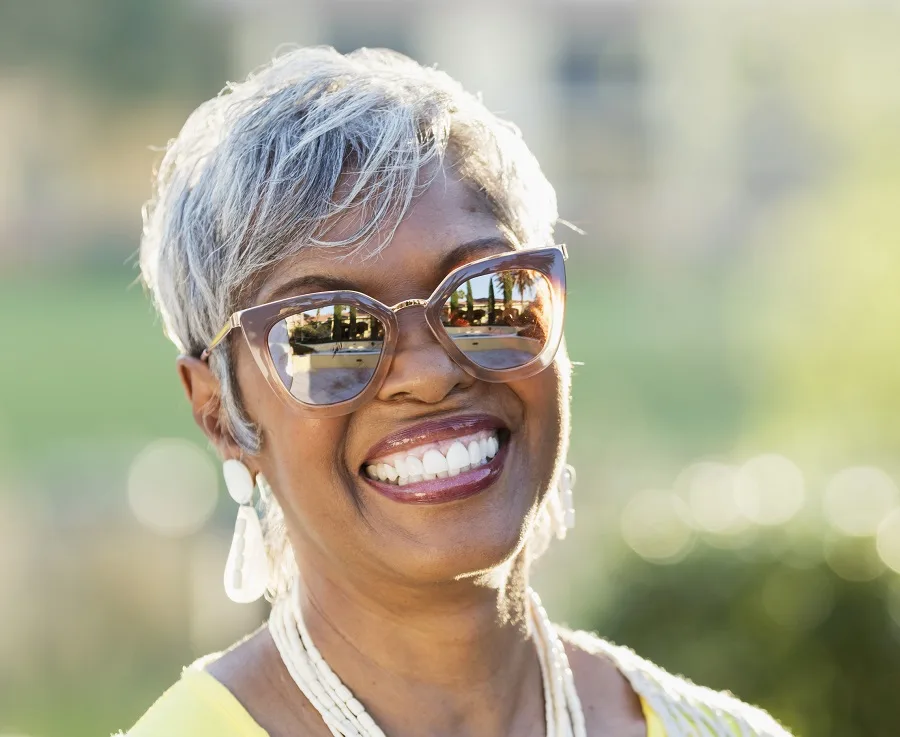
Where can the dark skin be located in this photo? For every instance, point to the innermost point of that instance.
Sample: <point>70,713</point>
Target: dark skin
<point>416,607</point>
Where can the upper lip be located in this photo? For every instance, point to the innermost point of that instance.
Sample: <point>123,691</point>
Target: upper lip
<point>433,431</point>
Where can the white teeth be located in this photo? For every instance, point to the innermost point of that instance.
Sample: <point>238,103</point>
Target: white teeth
<point>493,446</point>
<point>414,466</point>
<point>434,462</point>
<point>457,458</point>
<point>400,465</point>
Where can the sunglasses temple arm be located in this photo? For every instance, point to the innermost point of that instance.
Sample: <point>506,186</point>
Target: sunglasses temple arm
<point>220,336</point>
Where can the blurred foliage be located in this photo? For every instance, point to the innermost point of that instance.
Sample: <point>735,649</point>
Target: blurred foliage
<point>821,349</point>
<point>118,49</point>
<point>819,652</point>
<point>107,371</point>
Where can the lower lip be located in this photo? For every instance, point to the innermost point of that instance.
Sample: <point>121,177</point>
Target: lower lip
<point>450,489</point>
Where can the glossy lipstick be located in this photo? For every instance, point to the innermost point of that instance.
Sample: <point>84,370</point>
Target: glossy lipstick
<point>434,431</point>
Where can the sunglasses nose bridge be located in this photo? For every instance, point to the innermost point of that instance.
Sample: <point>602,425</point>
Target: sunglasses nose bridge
<point>408,303</point>
<point>413,329</point>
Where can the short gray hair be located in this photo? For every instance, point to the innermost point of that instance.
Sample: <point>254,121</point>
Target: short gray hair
<point>264,168</point>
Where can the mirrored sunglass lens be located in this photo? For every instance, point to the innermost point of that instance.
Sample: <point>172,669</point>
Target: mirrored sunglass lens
<point>326,355</point>
<point>500,320</point>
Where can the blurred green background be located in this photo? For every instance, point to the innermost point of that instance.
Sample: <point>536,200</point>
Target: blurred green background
<point>734,301</point>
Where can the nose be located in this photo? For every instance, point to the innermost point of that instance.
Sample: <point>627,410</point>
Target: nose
<point>421,369</point>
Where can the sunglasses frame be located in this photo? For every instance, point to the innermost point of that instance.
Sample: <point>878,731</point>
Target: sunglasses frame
<point>256,322</point>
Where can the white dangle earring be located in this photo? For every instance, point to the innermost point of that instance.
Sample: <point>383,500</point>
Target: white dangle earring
<point>247,568</point>
<point>563,508</point>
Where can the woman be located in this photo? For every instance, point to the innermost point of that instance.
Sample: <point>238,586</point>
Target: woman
<point>356,261</point>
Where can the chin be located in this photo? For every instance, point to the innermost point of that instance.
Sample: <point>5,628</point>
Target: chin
<point>465,548</point>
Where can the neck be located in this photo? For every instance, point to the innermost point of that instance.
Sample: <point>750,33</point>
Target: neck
<point>454,659</point>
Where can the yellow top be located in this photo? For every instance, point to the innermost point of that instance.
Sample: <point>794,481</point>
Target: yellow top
<point>199,706</point>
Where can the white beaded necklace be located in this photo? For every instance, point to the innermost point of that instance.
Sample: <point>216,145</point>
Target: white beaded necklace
<point>345,716</point>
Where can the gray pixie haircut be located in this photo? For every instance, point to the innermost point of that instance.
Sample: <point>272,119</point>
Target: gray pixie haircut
<point>265,168</point>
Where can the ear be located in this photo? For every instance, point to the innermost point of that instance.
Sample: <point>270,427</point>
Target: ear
<point>203,392</point>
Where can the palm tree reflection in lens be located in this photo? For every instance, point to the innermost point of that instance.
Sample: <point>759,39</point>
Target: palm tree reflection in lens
<point>504,338</point>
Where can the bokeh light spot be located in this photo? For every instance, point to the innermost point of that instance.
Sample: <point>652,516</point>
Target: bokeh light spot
<point>709,489</point>
<point>654,525</point>
<point>769,490</point>
<point>172,487</point>
<point>856,500</point>
<point>887,541</point>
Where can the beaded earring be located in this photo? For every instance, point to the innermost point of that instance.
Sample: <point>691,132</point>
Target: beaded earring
<point>247,568</point>
<point>562,508</point>
<point>566,486</point>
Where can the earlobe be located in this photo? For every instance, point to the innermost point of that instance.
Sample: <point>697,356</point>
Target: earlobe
<point>202,390</point>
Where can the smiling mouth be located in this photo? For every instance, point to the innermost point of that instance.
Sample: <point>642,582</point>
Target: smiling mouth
<point>439,461</point>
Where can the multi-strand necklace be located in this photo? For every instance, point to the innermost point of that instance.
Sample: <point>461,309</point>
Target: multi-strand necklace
<point>345,716</point>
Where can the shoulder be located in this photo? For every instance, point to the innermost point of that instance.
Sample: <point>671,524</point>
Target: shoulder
<point>681,707</point>
<point>609,703</point>
<point>197,705</point>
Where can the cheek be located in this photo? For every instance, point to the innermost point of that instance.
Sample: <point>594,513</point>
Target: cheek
<point>545,400</point>
<point>301,457</point>
<point>546,397</point>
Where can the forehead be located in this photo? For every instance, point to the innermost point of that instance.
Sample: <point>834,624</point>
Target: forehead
<point>447,215</point>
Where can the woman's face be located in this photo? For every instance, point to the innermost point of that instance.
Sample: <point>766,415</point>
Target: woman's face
<point>317,467</point>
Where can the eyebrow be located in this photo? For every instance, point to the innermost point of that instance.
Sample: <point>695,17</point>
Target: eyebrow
<point>307,284</point>
<point>468,251</point>
<point>471,250</point>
